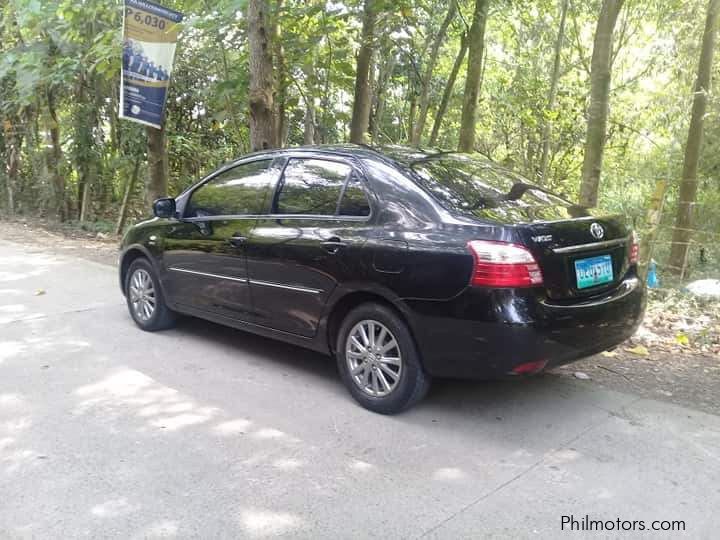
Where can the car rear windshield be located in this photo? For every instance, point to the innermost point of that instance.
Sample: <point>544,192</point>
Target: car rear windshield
<point>463,183</point>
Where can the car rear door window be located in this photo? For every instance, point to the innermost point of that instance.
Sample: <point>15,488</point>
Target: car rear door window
<point>354,200</point>
<point>312,187</point>
<point>237,191</point>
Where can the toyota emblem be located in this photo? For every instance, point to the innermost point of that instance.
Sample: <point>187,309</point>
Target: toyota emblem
<point>597,231</point>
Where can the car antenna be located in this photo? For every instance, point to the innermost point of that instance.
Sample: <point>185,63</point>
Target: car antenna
<point>430,157</point>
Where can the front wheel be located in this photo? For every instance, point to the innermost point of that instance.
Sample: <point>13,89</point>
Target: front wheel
<point>144,297</point>
<point>378,360</point>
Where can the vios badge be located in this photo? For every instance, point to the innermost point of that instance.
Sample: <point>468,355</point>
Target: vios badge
<point>597,231</point>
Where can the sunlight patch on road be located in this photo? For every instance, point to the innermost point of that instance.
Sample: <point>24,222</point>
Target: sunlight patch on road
<point>153,410</point>
<point>12,308</point>
<point>602,493</point>
<point>4,293</point>
<point>19,459</point>
<point>11,400</point>
<point>12,458</point>
<point>232,427</point>
<point>6,442</point>
<point>268,433</point>
<point>11,312</point>
<point>165,528</point>
<point>264,523</point>
<point>125,383</point>
<point>564,455</point>
<point>8,349</point>
<point>448,474</point>
<point>17,276</point>
<point>113,508</point>
<point>288,463</point>
<point>360,465</point>
<point>17,425</point>
<point>173,423</point>
<point>128,395</point>
<point>53,342</point>
<point>39,263</point>
<point>178,407</point>
<point>162,406</point>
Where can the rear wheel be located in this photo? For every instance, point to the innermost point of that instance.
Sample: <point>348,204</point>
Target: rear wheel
<point>144,297</point>
<point>378,360</point>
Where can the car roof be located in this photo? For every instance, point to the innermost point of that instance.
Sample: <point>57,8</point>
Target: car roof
<point>401,154</point>
<point>406,156</point>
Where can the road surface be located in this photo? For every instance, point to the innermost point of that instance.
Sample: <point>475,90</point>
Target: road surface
<point>208,432</point>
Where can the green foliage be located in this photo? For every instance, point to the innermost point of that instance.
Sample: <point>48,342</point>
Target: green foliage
<point>71,50</point>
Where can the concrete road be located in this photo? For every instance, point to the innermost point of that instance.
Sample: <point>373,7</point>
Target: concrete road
<point>207,432</point>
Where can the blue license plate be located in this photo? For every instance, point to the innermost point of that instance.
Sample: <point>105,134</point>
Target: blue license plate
<point>593,271</point>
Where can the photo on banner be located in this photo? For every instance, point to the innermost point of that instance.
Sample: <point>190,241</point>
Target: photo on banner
<point>150,34</point>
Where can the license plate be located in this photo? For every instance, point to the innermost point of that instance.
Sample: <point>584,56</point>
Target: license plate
<point>593,271</point>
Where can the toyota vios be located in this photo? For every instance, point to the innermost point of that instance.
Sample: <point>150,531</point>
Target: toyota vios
<point>403,264</point>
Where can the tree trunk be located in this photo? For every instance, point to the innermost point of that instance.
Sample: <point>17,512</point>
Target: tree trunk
<point>309,131</point>
<point>279,62</point>
<point>262,123</point>
<point>322,131</point>
<point>552,94</point>
<point>600,74</point>
<point>55,159</point>
<point>157,180</point>
<point>309,125</point>
<point>413,109</point>
<point>684,218</point>
<point>81,139</point>
<point>652,221</point>
<point>476,46</point>
<point>424,102</point>
<point>10,191</point>
<point>447,94</point>
<point>129,188</point>
<point>384,78</point>
<point>85,200</point>
<point>361,105</point>
<point>36,160</point>
<point>13,141</point>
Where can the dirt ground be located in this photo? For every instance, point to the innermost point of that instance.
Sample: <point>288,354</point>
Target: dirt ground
<point>654,367</point>
<point>73,242</point>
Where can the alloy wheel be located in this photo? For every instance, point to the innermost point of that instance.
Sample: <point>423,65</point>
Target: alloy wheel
<point>374,358</point>
<point>142,295</point>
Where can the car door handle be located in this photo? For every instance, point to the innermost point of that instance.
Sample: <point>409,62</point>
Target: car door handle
<point>237,240</point>
<point>333,245</point>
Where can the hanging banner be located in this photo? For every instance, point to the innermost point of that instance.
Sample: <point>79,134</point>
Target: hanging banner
<point>149,37</point>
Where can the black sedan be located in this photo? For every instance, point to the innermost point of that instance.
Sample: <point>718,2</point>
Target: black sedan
<point>403,264</point>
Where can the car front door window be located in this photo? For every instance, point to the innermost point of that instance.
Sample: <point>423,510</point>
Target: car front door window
<point>241,190</point>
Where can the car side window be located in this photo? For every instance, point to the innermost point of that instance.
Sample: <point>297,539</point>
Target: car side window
<point>311,187</point>
<point>237,191</point>
<point>354,201</point>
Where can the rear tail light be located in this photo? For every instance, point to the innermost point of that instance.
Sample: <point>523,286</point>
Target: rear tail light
<point>500,264</point>
<point>634,248</point>
<point>529,368</point>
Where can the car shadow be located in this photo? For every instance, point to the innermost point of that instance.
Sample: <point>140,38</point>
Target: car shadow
<point>285,355</point>
<point>445,394</point>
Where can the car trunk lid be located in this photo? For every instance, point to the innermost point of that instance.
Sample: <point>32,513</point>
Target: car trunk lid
<point>580,256</point>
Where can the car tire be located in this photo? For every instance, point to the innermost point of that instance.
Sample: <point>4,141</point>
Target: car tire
<point>145,299</point>
<point>383,377</point>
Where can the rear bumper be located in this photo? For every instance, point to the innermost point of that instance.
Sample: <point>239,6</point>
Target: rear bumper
<point>486,333</point>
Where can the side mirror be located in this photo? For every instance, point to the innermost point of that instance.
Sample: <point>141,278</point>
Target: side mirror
<point>164,207</point>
